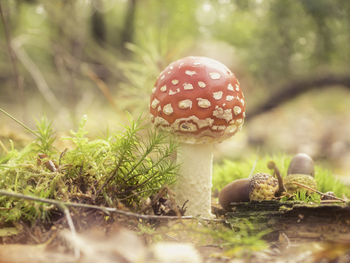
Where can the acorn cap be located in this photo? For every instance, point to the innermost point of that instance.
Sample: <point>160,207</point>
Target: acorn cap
<point>236,191</point>
<point>199,100</point>
<point>263,187</point>
<point>303,179</point>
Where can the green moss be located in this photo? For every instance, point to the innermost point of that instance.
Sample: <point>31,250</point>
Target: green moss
<point>327,182</point>
<point>125,167</point>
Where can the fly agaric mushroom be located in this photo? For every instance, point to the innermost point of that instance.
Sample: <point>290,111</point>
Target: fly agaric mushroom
<point>199,100</point>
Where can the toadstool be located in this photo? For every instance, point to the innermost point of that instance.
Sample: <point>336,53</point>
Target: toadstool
<point>200,101</point>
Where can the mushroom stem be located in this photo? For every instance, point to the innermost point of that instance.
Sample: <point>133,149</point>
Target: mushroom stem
<point>195,176</point>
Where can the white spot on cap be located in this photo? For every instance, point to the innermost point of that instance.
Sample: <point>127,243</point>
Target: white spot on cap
<point>154,90</point>
<point>217,95</point>
<point>188,127</point>
<point>223,114</point>
<point>242,101</point>
<point>163,88</point>
<point>171,67</point>
<point>239,121</point>
<point>160,121</point>
<point>190,72</point>
<point>229,98</point>
<point>159,108</point>
<point>214,75</point>
<point>154,103</point>
<point>201,123</point>
<point>168,109</point>
<point>230,87</point>
<point>218,127</point>
<point>203,103</point>
<point>162,77</point>
<point>196,63</point>
<point>232,129</point>
<point>237,110</point>
<point>175,81</point>
<point>173,92</point>
<point>237,87</point>
<point>185,104</point>
<point>169,72</point>
<point>201,84</point>
<point>187,86</point>
<point>224,104</point>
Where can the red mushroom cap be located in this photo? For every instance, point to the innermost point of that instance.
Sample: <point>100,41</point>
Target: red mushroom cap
<point>199,100</point>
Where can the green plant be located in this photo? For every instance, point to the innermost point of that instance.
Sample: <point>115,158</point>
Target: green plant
<point>125,167</point>
<point>304,196</point>
<point>46,137</point>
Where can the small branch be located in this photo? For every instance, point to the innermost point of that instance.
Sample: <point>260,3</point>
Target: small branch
<point>36,74</point>
<point>297,87</point>
<point>104,209</point>
<point>72,229</point>
<point>20,123</point>
<point>318,192</point>
<point>102,86</point>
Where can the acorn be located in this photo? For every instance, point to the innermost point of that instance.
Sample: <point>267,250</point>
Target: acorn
<point>301,164</point>
<point>259,187</point>
<point>236,191</point>
<point>301,170</point>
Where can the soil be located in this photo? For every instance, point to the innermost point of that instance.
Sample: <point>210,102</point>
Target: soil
<point>297,233</point>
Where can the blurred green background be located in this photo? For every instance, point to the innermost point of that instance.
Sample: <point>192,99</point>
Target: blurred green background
<point>66,58</point>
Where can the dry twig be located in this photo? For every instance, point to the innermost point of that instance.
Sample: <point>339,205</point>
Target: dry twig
<point>36,74</point>
<point>104,209</point>
<point>318,192</point>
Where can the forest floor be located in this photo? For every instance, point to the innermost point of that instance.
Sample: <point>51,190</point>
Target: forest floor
<point>296,233</point>
<point>289,232</point>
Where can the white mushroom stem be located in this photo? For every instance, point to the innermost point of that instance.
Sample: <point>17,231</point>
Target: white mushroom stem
<point>195,178</point>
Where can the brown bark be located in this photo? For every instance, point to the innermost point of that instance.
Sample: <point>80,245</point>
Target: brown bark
<point>298,87</point>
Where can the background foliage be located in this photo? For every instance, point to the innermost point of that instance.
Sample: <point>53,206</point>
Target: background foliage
<point>101,58</point>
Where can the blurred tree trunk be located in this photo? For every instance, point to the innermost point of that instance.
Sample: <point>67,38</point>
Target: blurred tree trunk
<point>127,33</point>
<point>98,25</point>
<point>18,79</point>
